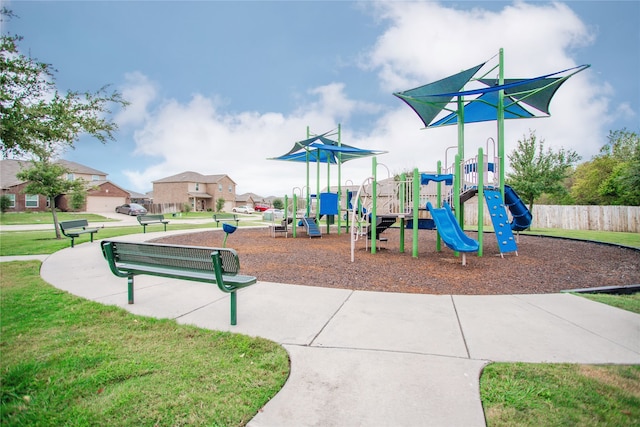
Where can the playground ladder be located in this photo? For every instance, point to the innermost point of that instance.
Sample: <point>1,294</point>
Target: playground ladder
<point>500,220</point>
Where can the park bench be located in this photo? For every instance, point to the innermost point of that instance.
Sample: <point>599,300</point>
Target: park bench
<point>221,217</point>
<point>75,228</point>
<point>196,263</point>
<point>145,220</point>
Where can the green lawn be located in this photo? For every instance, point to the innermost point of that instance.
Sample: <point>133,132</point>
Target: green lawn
<point>72,362</point>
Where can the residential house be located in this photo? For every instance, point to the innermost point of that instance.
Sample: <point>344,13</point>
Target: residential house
<point>201,192</point>
<point>102,195</point>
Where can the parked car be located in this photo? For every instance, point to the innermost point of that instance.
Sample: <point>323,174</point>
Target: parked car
<point>131,209</point>
<point>261,207</point>
<point>244,209</point>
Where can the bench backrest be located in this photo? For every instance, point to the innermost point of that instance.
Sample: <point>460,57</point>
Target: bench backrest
<point>143,218</point>
<point>224,216</point>
<point>188,258</point>
<point>75,223</point>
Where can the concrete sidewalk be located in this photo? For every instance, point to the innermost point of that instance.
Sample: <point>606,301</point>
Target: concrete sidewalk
<point>369,358</point>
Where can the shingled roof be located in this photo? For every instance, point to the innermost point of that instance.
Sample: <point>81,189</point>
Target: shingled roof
<point>190,176</point>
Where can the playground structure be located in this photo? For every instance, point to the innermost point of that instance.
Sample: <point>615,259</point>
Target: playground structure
<point>435,200</point>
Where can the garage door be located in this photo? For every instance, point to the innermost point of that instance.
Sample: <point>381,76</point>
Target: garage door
<point>104,204</point>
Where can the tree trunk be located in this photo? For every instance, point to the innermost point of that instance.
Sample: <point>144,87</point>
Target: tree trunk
<point>55,218</point>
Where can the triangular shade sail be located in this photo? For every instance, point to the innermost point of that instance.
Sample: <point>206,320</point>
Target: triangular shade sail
<point>430,100</point>
<point>426,101</point>
<point>536,93</point>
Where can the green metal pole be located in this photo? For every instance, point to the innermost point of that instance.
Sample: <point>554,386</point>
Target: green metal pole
<point>460,214</point>
<point>403,192</point>
<point>456,193</point>
<point>480,168</point>
<point>374,205</point>
<point>295,215</point>
<point>308,188</point>
<point>416,207</point>
<point>308,181</point>
<point>439,205</point>
<point>501,155</point>
<point>339,180</point>
<point>328,191</point>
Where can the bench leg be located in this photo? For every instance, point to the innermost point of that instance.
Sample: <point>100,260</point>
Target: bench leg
<point>234,315</point>
<point>72,242</point>
<point>130,288</point>
<point>144,228</point>
<point>91,237</point>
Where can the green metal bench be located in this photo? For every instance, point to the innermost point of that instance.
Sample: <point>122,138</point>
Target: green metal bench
<point>221,217</point>
<point>145,220</point>
<point>75,228</point>
<point>196,263</point>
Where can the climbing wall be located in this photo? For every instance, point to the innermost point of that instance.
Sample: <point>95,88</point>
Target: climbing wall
<point>500,221</point>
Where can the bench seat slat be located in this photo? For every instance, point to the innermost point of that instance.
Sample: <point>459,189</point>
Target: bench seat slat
<point>187,274</point>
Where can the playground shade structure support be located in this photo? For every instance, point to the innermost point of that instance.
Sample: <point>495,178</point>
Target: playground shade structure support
<point>450,231</point>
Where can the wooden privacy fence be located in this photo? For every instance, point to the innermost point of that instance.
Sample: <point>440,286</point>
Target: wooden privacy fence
<point>603,218</point>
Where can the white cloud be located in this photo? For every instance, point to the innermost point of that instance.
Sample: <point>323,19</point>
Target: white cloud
<point>423,42</point>
<point>139,91</point>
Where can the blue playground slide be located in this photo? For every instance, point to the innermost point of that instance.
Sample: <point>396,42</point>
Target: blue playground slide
<point>521,216</point>
<point>451,233</point>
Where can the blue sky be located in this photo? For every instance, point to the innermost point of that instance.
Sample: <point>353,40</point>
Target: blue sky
<point>219,87</point>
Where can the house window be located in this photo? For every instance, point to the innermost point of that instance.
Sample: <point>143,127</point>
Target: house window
<point>12,200</point>
<point>219,187</point>
<point>197,187</point>
<point>95,177</point>
<point>70,177</point>
<point>31,200</point>
<point>231,189</point>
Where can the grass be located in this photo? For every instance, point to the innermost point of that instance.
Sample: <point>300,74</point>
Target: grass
<point>40,242</point>
<point>525,394</point>
<point>69,361</point>
<point>629,302</point>
<point>618,238</point>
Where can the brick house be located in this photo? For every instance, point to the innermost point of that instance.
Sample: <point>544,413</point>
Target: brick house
<point>201,192</point>
<point>102,195</point>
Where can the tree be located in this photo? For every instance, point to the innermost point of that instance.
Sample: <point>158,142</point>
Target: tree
<point>220,204</point>
<point>36,119</point>
<point>48,179</point>
<point>39,122</point>
<point>278,204</point>
<point>536,170</point>
<point>5,203</point>
<point>611,178</point>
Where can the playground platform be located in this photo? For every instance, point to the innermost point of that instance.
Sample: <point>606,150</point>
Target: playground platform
<point>372,358</point>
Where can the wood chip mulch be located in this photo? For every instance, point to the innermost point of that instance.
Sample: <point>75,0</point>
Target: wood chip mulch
<point>542,265</point>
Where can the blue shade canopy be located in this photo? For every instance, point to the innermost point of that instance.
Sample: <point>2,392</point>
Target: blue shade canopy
<point>430,100</point>
<point>324,150</point>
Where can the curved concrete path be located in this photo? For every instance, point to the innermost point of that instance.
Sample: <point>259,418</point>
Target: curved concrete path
<point>368,358</point>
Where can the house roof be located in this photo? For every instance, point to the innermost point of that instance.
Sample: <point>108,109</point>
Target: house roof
<point>190,176</point>
<point>78,168</point>
<point>8,171</point>
<point>9,168</point>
